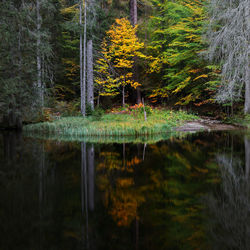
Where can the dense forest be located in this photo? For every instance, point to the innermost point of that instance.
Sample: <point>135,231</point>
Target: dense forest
<point>69,57</point>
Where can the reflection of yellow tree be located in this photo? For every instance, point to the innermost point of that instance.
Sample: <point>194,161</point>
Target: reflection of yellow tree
<point>125,202</point>
<point>122,199</point>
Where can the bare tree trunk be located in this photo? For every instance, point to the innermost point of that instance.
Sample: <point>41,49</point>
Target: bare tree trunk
<point>123,96</point>
<point>38,55</point>
<point>134,21</point>
<point>84,58</point>
<point>247,89</point>
<point>81,57</point>
<point>247,80</point>
<point>133,12</point>
<point>98,99</point>
<point>90,77</point>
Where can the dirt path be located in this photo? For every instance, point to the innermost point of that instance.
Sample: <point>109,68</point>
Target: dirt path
<point>206,124</point>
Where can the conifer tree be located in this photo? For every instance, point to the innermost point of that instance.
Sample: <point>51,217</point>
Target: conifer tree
<point>24,40</point>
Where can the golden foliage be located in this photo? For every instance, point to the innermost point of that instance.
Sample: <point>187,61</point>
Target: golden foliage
<point>119,50</point>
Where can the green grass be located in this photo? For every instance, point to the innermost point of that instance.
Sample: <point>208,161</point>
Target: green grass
<point>113,125</point>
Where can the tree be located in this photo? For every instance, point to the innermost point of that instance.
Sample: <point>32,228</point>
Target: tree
<point>90,80</point>
<point>39,56</point>
<point>81,61</point>
<point>134,21</point>
<point>175,47</point>
<point>90,74</point>
<point>229,37</point>
<point>83,57</point>
<point>115,67</point>
<point>26,54</point>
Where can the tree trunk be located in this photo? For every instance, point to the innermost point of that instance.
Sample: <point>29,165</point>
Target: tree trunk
<point>123,96</point>
<point>133,12</point>
<point>38,55</point>
<point>247,78</point>
<point>90,77</point>
<point>81,54</point>
<point>134,21</point>
<point>247,90</point>
<point>84,59</point>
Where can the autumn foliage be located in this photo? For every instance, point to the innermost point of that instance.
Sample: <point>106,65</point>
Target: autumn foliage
<point>115,66</point>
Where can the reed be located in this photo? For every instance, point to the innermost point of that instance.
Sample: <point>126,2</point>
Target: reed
<point>114,125</point>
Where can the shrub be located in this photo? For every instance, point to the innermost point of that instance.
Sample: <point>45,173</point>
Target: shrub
<point>97,114</point>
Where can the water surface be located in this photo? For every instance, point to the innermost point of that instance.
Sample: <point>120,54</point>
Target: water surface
<point>187,192</point>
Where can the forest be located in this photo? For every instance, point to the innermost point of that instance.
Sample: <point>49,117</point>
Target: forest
<point>148,60</point>
<point>124,124</point>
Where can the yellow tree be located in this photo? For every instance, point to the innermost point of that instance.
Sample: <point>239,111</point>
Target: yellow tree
<point>115,66</point>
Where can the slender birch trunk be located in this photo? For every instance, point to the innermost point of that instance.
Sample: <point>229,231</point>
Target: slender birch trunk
<point>38,56</point>
<point>90,77</point>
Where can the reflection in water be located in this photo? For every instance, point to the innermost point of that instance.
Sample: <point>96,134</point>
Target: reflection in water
<point>57,195</point>
<point>230,205</point>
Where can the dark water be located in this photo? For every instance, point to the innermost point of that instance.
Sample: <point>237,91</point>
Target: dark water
<point>182,193</point>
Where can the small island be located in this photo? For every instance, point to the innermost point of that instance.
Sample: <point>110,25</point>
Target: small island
<point>130,121</point>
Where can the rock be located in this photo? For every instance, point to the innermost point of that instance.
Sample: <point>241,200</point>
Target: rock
<point>205,124</point>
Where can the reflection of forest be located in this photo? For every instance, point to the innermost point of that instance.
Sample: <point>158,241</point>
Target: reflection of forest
<point>57,195</point>
<point>163,192</point>
<point>229,206</point>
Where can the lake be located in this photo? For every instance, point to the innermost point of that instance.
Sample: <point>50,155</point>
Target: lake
<point>185,192</point>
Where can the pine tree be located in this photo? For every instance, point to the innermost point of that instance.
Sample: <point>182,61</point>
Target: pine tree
<point>19,34</point>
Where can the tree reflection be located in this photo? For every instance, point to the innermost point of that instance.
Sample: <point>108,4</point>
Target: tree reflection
<point>229,207</point>
<point>57,195</point>
<point>116,180</point>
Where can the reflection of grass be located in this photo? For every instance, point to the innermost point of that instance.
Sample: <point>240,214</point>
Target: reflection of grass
<point>113,125</point>
<point>149,139</point>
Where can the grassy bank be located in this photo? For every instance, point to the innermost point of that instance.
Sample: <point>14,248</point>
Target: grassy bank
<point>158,121</point>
